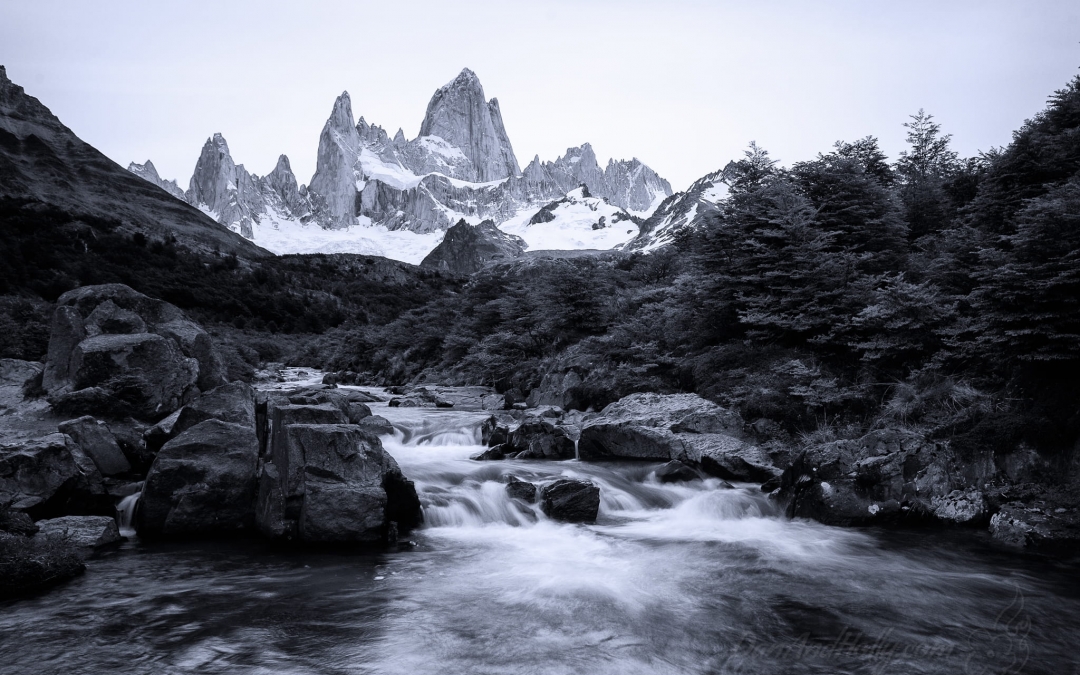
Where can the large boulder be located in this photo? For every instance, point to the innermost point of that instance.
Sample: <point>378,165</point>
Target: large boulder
<point>16,522</point>
<point>884,478</point>
<point>141,373</point>
<point>683,427</point>
<point>571,501</point>
<point>50,476</point>
<point>378,425</point>
<point>96,440</point>
<point>85,532</point>
<point>961,507</point>
<point>676,472</point>
<point>333,483</point>
<point>109,338</point>
<point>233,403</point>
<point>202,483</point>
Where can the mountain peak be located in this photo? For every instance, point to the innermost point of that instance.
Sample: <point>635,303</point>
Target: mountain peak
<point>341,116</point>
<point>459,114</point>
<point>465,78</point>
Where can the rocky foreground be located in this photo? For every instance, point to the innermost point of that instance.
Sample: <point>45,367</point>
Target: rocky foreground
<point>133,398</point>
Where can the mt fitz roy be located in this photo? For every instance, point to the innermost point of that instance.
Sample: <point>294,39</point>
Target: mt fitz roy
<point>395,197</point>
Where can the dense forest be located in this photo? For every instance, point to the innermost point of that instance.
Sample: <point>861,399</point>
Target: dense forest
<point>829,296</point>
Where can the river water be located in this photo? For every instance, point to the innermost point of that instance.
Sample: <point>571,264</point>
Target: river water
<point>692,578</point>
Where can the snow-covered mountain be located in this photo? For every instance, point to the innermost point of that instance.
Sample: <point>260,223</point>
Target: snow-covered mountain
<point>396,197</point>
<point>577,221</point>
<point>680,211</point>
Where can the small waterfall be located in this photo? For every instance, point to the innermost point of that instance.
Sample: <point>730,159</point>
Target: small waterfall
<point>434,448</point>
<point>125,513</point>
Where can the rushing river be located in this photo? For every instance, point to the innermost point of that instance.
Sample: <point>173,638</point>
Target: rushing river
<point>691,578</point>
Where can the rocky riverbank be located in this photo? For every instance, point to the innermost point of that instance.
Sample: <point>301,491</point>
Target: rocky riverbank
<point>132,399</point>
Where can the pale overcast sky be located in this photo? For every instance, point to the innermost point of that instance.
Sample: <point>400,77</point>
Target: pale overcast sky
<point>682,85</point>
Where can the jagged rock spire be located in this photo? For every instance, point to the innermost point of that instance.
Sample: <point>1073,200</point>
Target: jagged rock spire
<point>333,186</point>
<point>459,114</point>
<point>223,188</point>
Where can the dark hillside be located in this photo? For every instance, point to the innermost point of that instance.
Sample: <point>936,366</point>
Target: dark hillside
<point>43,160</point>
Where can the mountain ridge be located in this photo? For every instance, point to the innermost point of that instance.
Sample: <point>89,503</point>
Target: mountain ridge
<point>389,195</point>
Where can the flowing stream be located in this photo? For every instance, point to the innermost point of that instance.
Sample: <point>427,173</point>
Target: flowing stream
<point>689,578</point>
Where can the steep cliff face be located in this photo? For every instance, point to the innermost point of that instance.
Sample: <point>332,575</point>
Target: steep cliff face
<point>225,189</point>
<point>634,186</point>
<point>281,184</point>
<point>459,114</point>
<point>333,187</point>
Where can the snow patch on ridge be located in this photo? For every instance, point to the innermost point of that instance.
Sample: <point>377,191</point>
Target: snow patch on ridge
<point>576,225</point>
<point>283,236</point>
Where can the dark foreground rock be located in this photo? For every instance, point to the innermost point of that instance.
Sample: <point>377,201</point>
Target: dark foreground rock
<point>333,483</point>
<point>682,427</point>
<point>676,472</point>
<point>143,374</point>
<point>116,352</point>
<point>378,425</point>
<point>32,564</point>
<point>96,440</point>
<point>16,522</point>
<point>16,381</point>
<point>202,483</point>
<point>887,477</point>
<point>1037,515</point>
<point>1031,526</point>
<point>50,476</point>
<point>519,489</point>
<point>495,453</point>
<point>540,439</point>
<point>571,501</point>
<point>233,403</point>
<point>84,532</point>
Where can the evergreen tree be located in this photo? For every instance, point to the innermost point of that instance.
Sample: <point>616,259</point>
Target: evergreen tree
<point>856,206</point>
<point>923,169</point>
